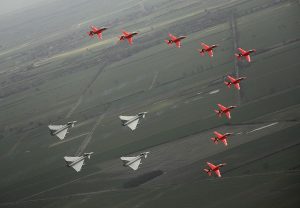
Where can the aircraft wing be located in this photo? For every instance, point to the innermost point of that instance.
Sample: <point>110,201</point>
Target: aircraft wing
<point>133,124</point>
<point>61,135</point>
<point>71,159</point>
<point>242,50</point>
<point>228,115</point>
<point>218,173</point>
<point>125,33</point>
<point>210,53</point>
<point>212,166</point>
<point>130,40</point>
<point>222,107</point>
<point>237,86</point>
<point>225,142</point>
<point>55,127</point>
<point>248,58</point>
<point>127,158</point>
<point>78,166</point>
<point>95,29</point>
<point>218,134</point>
<point>135,165</point>
<point>100,36</point>
<point>204,46</point>
<point>178,44</point>
<point>126,118</point>
<point>172,37</point>
<point>231,78</point>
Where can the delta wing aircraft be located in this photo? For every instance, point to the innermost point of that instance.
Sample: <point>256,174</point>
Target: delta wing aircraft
<point>128,36</point>
<point>244,53</point>
<point>174,39</point>
<point>224,110</point>
<point>234,81</point>
<point>97,31</point>
<point>214,168</point>
<point>207,48</point>
<point>134,162</point>
<point>77,162</point>
<point>132,121</point>
<point>221,137</point>
<point>61,130</point>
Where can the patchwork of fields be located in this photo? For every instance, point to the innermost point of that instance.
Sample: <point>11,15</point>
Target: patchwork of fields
<point>95,83</point>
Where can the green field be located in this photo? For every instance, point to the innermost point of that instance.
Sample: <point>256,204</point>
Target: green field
<point>95,83</point>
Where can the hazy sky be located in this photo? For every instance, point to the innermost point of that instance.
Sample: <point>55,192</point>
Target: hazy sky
<point>7,6</point>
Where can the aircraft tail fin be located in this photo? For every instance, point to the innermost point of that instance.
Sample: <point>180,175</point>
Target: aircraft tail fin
<point>208,172</point>
<point>238,56</point>
<point>218,113</point>
<point>121,39</point>
<point>201,52</point>
<point>214,140</point>
<point>228,84</point>
<point>90,34</point>
<point>168,42</point>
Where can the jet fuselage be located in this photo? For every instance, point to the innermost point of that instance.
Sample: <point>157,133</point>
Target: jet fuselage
<point>137,117</point>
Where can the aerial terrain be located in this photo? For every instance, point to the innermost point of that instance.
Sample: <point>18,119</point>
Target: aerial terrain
<point>52,72</point>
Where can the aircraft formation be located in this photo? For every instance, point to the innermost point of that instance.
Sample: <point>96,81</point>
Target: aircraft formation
<point>132,122</point>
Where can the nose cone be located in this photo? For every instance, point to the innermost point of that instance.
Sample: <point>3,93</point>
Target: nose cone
<point>88,154</point>
<point>146,154</point>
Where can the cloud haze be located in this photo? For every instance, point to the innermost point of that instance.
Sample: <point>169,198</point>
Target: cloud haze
<point>8,6</point>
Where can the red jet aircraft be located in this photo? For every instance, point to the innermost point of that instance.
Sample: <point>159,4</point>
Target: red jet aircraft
<point>96,31</point>
<point>214,168</point>
<point>207,48</point>
<point>245,54</point>
<point>128,36</point>
<point>234,81</point>
<point>174,39</point>
<point>225,110</point>
<point>221,137</point>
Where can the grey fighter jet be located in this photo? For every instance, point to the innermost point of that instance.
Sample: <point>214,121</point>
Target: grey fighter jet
<point>77,162</point>
<point>134,162</point>
<point>132,121</point>
<point>61,130</point>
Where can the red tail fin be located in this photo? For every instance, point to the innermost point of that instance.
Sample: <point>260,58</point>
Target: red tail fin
<point>168,42</point>
<point>214,140</point>
<point>201,52</point>
<point>208,172</point>
<point>238,56</point>
<point>90,34</point>
<point>228,84</point>
<point>218,113</point>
